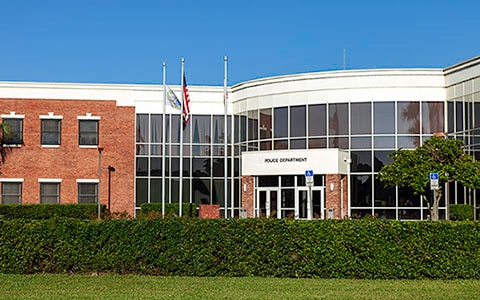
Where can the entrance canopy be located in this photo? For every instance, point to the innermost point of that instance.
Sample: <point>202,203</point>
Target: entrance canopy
<point>295,162</point>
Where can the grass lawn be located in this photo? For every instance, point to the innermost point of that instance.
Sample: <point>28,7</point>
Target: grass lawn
<point>149,287</point>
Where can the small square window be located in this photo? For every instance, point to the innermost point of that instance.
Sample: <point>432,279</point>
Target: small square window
<point>51,132</point>
<point>88,132</point>
<point>50,193</point>
<point>13,132</point>
<point>11,193</point>
<point>87,193</point>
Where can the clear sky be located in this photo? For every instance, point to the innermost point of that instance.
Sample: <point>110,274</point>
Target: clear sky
<point>108,41</point>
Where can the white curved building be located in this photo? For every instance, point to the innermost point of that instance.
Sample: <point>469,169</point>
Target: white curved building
<point>335,126</point>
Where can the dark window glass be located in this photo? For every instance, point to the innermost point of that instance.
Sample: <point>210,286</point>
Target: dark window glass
<point>88,132</point>
<point>361,190</point>
<point>141,191</point>
<point>156,132</point>
<point>11,193</point>
<point>87,193</point>
<point>317,143</point>
<point>384,195</point>
<point>175,129</point>
<point>268,181</point>
<point>13,134</point>
<point>281,144</point>
<point>280,122</point>
<point>432,117</point>
<point>243,127</point>
<point>381,159</point>
<point>338,142</point>
<point>361,161</point>
<point>201,167</point>
<point>408,141</point>
<point>201,191</point>
<point>384,118</point>
<point>218,194</point>
<point>50,132</point>
<point>265,123</point>
<point>451,116</point>
<point>384,141</point>
<point>142,128</point>
<point>266,145</point>
<point>288,181</point>
<point>218,129</point>
<point>338,119</point>
<point>459,115</point>
<point>476,107</point>
<point>201,129</point>
<point>237,129</point>
<point>218,167</point>
<point>361,142</point>
<point>361,118</point>
<point>156,190</point>
<point>387,214</point>
<point>49,193</point>
<point>406,198</point>
<point>253,125</point>
<point>298,144</point>
<point>298,121</point>
<point>142,166</point>
<point>408,117</point>
<point>317,120</point>
<point>156,166</point>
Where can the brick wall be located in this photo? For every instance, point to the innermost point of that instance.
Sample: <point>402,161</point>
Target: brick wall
<point>70,162</point>
<point>336,194</point>
<point>248,189</point>
<point>209,211</point>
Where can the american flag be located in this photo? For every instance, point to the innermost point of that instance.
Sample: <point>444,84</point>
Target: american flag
<point>186,102</point>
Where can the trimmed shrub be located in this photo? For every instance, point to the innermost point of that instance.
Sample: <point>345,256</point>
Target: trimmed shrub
<point>154,210</point>
<point>47,211</point>
<point>371,249</point>
<point>461,212</point>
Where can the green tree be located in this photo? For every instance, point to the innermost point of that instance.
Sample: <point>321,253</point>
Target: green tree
<point>411,168</point>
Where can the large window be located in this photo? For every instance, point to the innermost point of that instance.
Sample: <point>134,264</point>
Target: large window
<point>11,193</point>
<point>50,193</point>
<point>50,134</point>
<point>87,193</point>
<point>13,131</point>
<point>88,132</point>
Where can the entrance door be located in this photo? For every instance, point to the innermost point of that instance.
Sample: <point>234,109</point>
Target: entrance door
<point>267,204</point>
<point>302,209</point>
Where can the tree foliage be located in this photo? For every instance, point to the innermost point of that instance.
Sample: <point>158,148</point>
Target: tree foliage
<point>5,131</point>
<point>411,168</point>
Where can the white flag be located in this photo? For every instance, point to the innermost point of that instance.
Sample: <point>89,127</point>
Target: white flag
<point>172,98</point>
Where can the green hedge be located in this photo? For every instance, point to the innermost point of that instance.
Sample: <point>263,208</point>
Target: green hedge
<point>48,211</point>
<point>372,249</point>
<point>461,212</point>
<point>154,210</point>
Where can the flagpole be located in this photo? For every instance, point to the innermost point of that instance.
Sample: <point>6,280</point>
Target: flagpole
<point>163,134</point>
<point>180,192</point>
<point>225,134</point>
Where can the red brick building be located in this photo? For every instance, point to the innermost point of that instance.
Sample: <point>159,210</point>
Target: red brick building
<point>55,157</point>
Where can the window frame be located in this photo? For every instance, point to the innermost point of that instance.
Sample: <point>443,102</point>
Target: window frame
<point>80,196</point>
<point>18,182</point>
<point>50,182</point>
<point>13,141</point>
<point>58,132</point>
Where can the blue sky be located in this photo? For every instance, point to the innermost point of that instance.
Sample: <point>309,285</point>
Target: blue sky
<point>107,41</point>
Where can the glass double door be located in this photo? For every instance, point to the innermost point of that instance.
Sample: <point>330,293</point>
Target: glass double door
<point>273,202</point>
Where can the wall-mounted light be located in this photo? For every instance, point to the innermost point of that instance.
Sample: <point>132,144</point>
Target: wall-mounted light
<point>332,187</point>
<point>244,187</point>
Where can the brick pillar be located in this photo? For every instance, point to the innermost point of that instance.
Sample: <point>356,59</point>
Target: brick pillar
<point>209,211</point>
<point>248,189</point>
<point>333,195</point>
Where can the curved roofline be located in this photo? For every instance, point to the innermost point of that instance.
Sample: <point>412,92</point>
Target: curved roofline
<point>338,74</point>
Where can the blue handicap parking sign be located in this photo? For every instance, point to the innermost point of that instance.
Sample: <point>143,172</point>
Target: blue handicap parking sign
<point>309,173</point>
<point>433,176</point>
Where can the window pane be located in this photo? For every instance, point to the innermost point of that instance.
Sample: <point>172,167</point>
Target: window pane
<point>361,161</point>
<point>49,193</point>
<point>253,125</point>
<point>432,117</point>
<point>15,134</point>
<point>11,193</point>
<point>156,130</point>
<point>298,121</point>
<point>50,132</point>
<point>280,119</point>
<point>265,123</point>
<point>218,129</point>
<point>361,190</point>
<point>201,129</point>
<point>317,120</point>
<point>459,115</point>
<point>361,118</point>
<point>88,132</point>
<point>408,117</point>
<point>87,193</point>
<point>338,119</point>
<point>384,117</point>
<point>142,128</point>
